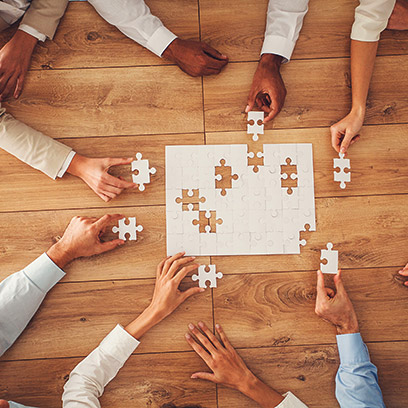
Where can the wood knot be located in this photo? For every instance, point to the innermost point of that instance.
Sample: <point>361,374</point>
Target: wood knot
<point>301,377</point>
<point>388,110</point>
<point>46,66</point>
<point>92,36</point>
<point>83,319</point>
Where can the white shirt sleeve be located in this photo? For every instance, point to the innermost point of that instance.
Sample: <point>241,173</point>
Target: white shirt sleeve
<point>283,23</point>
<point>21,294</point>
<point>89,378</point>
<point>291,401</point>
<point>371,18</point>
<point>33,32</point>
<point>66,164</point>
<point>135,20</point>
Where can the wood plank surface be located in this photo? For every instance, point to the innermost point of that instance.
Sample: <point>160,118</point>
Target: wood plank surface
<point>32,190</point>
<point>149,380</point>
<point>278,309</point>
<point>105,102</point>
<point>324,83</point>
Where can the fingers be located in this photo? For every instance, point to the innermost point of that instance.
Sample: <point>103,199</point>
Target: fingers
<point>215,64</point>
<point>212,52</point>
<point>202,338</point>
<point>321,289</point>
<point>404,271</point>
<point>160,266</point>
<point>223,337</point>
<point>346,141</point>
<point>198,349</point>
<point>118,161</point>
<point>175,266</point>
<point>204,376</point>
<point>339,283</point>
<point>118,183</point>
<point>3,83</point>
<point>250,101</point>
<point>191,292</point>
<point>169,262</point>
<point>336,137</point>
<point>10,87</point>
<point>19,86</point>
<point>108,246</point>
<point>179,276</point>
<point>106,220</point>
<point>210,335</point>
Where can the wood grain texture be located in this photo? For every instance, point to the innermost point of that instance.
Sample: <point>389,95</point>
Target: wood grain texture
<point>236,28</point>
<point>149,380</point>
<point>278,309</point>
<point>328,79</point>
<point>71,192</point>
<point>105,102</point>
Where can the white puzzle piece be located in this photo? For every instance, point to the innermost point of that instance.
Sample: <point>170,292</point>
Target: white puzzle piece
<point>257,128</point>
<point>332,258</point>
<point>207,273</point>
<point>129,228</point>
<point>143,171</point>
<point>341,176</point>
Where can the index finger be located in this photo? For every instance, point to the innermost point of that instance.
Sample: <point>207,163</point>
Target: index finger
<point>321,289</point>
<point>106,219</point>
<point>198,349</point>
<point>116,182</point>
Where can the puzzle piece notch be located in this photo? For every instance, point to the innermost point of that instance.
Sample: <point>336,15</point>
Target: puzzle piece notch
<point>341,176</point>
<point>207,222</point>
<point>207,273</point>
<point>130,229</point>
<point>224,177</point>
<point>256,128</point>
<point>289,175</point>
<point>142,176</point>
<point>190,199</point>
<point>332,258</point>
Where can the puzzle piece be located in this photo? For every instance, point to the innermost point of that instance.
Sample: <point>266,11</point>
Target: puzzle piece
<point>191,199</point>
<point>207,221</point>
<point>257,128</point>
<point>255,159</point>
<point>127,229</point>
<point>142,176</point>
<point>224,177</point>
<point>332,258</point>
<point>341,176</point>
<point>206,273</point>
<point>289,175</point>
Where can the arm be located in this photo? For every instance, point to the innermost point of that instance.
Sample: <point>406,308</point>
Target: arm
<point>230,370</point>
<point>89,378</point>
<point>283,23</point>
<point>371,18</point>
<point>22,293</point>
<point>135,20</point>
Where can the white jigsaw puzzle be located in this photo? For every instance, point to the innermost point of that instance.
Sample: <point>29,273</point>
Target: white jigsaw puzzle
<point>130,229</point>
<point>332,258</point>
<point>207,273</point>
<point>341,176</point>
<point>255,129</point>
<point>144,172</point>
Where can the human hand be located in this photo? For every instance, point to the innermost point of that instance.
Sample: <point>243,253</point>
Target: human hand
<point>195,58</point>
<point>404,272</point>
<point>268,89</point>
<point>15,59</point>
<point>4,404</point>
<point>82,238</point>
<point>335,308</point>
<point>95,173</point>
<point>346,132</point>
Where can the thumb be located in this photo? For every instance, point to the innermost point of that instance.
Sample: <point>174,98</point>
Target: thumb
<point>191,292</point>
<point>212,52</point>
<point>321,290</point>
<point>348,137</point>
<point>109,245</point>
<point>204,376</point>
<point>116,161</point>
<point>250,101</point>
<point>19,86</point>
<point>339,283</point>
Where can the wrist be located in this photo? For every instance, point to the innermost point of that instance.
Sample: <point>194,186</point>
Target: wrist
<point>59,255</point>
<point>170,50</point>
<point>358,110</point>
<point>348,328</point>
<point>27,41</point>
<point>78,163</point>
<point>271,61</point>
<point>143,323</point>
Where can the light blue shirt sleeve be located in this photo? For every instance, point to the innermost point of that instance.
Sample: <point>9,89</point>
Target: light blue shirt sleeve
<point>21,294</point>
<point>16,405</point>
<point>356,380</point>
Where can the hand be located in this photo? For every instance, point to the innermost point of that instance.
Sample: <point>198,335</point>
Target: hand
<point>4,404</point>
<point>404,272</point>
<point>227,366</point>
<point>268,89</point>
<point>345,132</point>
<point>335,308</point>
<point>15,59</point>
<point>95,173</point>
<point>82,238</point>
<point>167,296</point>
<point>195,58</point>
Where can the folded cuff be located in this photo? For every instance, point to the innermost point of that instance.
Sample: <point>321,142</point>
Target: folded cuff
<point>33,32</point>
<point>274,44</point>
<point>291,401</point>
<point>66,164</point>
<point>160,40</point>
<point>352,349</point>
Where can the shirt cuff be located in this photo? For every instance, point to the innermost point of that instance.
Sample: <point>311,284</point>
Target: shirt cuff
<point>291,401</point>
<point>352,349</point>
<point>66,164</point>
<point>119,344</point>
<point>44,273</point>
<point>274,44</point>
<point>32,31</point>
<point>160,40</point>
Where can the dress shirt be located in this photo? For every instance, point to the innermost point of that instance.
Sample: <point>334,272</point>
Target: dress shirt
<point>283,23</point>
<point>17,405</point>
<point>21,294</point>
<point>371,18</point>
<point>135,20</point>
<point>356,380</point>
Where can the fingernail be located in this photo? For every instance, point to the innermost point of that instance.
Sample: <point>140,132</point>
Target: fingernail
<point>247,109</point>
<point>217,326</point>
<point>188,337</point>
<point>193,376</point>
<point>343,150</point>
<point>202,290</point>
<point>201,324</point>
<point>191,326</point>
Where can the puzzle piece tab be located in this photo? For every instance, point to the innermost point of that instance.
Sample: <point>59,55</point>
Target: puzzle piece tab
<point>142,176</point>
<point>191,199</point>
<point>341,176</point>
<point>332,258</point>
<point>127,229</point>
<point>224,177</point>
<point>207,221</point>
<point>257,128</point>
<point>289,176</point>
<point>207,273</point>
<point>255,159</point>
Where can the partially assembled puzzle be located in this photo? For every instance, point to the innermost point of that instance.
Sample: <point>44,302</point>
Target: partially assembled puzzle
<point>228,200</point>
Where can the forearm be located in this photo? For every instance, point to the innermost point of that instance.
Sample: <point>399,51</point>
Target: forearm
<point>144,322</point>
<point>261,393</point>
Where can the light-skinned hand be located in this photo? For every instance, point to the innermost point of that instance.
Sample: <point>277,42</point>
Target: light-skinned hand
<point>167,296</point>
<point>404,272</point>
<point>95,173</point>
<point>268,90</point>
<point>227,366</point>
<point>4,404</point>
<point>195,58</point>
<point>346,132</point>
<point>335,307</point>
<point>82,238</point>
<point>15,59</point>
